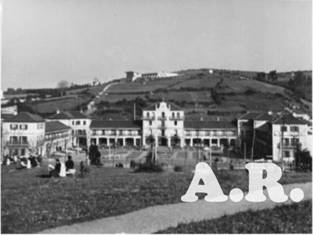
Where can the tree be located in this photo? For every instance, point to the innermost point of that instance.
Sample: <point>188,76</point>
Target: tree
<point>63,84</point>
<point>261,76</point>
<point>272,76</point>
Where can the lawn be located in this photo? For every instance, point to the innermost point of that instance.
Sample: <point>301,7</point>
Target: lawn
<point>295,218</point>
<point>31,203</point>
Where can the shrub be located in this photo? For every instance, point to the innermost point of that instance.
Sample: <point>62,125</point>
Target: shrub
<point>178,168</point>
<point>148,167</point>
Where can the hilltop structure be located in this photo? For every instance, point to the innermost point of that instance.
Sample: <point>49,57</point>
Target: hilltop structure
<point>132,76</point>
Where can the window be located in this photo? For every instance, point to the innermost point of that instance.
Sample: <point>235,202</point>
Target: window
<point>77,122</point>
<point>163,133</point>
<point>173,114</point>
<point>163,115</point>
<point>94,132</point>
<point>22,152</point>
<point>13,139</point>
<point>175,123</point>
<point>84,122</point>
<point>294,128</point>
<point>120,132</point>
<point>286,141</point>
<point>283,128</point>
<point>294,141</point>
<point>73,123</point>
<point>24,139</point>
<point>163,124</point>
<point>23,126</point>
<point>150,123</point>
<point>148,114</point>
<point>103,132</point>
<point>178,114</point>
<point>40,126</point>
<point>13,126</point>
<point>286,154</point>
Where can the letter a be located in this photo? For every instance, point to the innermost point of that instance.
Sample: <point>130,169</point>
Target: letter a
<point>211,186</point>
<point>256,182</point>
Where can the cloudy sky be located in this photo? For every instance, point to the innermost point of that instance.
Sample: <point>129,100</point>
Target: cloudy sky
<point>45,41</point>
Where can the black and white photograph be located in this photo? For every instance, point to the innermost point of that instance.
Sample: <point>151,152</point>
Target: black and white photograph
<point>156,116</point>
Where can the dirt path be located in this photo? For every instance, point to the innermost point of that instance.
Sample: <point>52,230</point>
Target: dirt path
<point>91,106</point>
<point>156,218</point>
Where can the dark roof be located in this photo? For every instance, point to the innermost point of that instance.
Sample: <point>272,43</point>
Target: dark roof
<point>250,115</point>
<point>5,116</point>
<point>56,126</point>
<point>289,120</point>
<point>266,127</point>
<point>25,117</point>
<point>208,125</point>
<point>115,124</point>
<point>264,117</point>
<point>68,115</point>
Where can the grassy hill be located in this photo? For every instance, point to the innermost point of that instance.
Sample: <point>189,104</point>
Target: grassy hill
<point>223,93</point>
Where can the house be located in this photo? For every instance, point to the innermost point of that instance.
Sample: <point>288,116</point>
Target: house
<point>290,133</point>
<point>77,121</point>
<point>23,132</point>
<point>57,137</point>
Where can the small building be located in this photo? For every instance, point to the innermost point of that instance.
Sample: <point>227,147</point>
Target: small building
<point>58,137</point>
<point>78,122</point>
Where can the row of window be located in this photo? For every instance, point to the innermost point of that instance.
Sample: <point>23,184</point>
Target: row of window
<point>24,126</point>
<point>292,128</point>
<point>115,132</point>
<point>163,123</point>
<point>78,123</point>
<point>18,139</point>
<point>174,114</point>
<point>290,141</point>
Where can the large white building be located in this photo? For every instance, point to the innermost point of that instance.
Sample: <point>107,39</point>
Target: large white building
<point>77,121</point>
<point>23,132</point>
<point>288,132</point>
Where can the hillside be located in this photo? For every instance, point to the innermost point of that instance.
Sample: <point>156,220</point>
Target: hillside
<point>223,93</point>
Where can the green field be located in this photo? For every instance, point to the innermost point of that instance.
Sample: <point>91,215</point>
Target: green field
<point>235,93</point>
<point>31,203</point>
<point>296,218</point>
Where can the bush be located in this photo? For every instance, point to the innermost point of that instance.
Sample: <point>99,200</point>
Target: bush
<point>148,167</point>
<point>178,168</point>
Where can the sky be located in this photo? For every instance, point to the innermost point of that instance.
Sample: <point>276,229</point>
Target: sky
<point>46,41</point>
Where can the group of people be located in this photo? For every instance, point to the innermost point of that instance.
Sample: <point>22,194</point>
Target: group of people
<point>21,162</point>
<point>62,170</point>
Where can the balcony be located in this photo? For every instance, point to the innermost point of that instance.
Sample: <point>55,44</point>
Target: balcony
<point>176,118</point>
<point>149,118</point>
<point>162,118</point>
<point>289,146</point>
<point>17,144</point>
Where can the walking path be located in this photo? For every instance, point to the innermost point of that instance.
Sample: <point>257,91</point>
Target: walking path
<point>91,106</point>
<point>156,218</point>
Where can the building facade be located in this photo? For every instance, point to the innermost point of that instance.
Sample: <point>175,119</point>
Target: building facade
<point>22,133</point>
<point>58,137</point>
<point>78,122</point>
<point>289,134</point>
